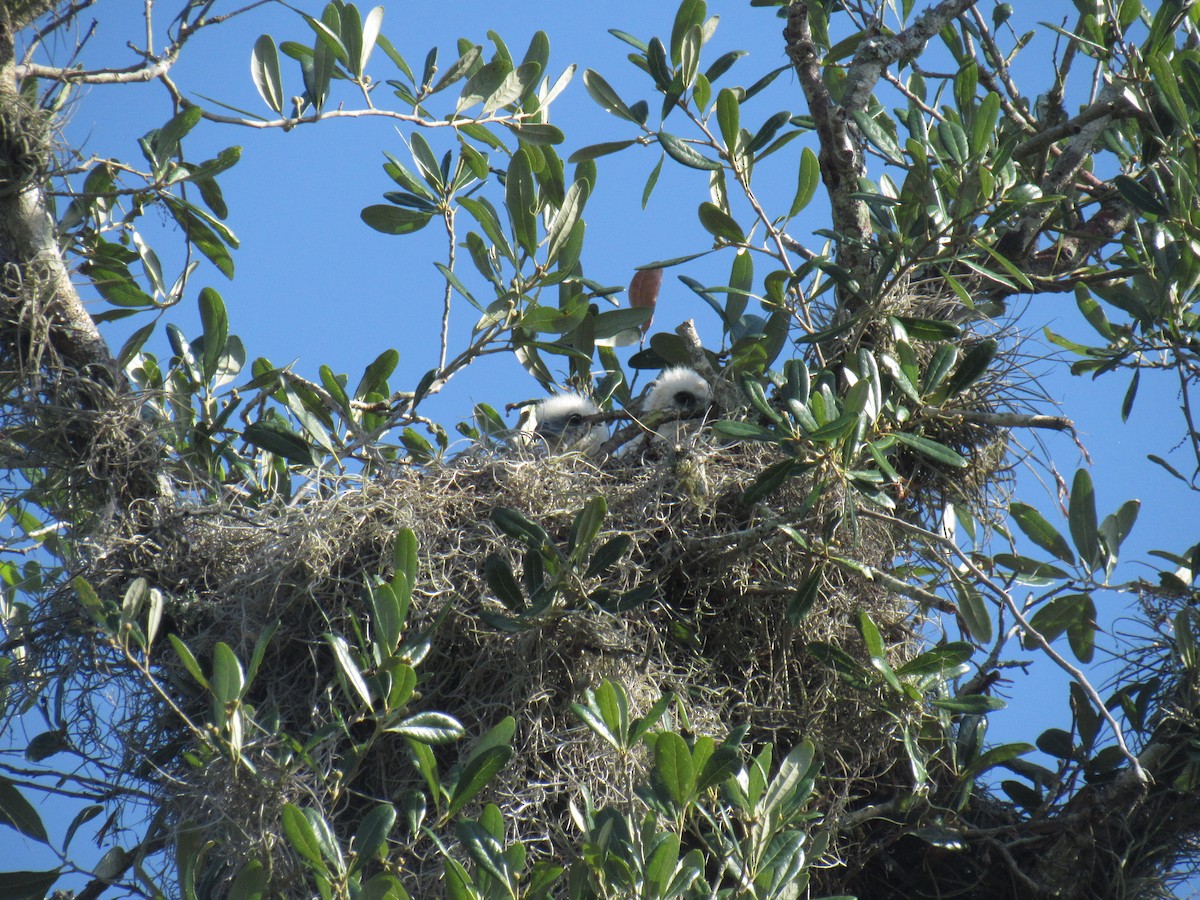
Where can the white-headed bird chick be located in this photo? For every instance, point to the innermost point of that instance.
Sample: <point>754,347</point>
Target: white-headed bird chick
<point>680,390</point>
<point>560,424</point>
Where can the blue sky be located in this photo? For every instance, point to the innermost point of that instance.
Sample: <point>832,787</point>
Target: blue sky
<point>316,286</point>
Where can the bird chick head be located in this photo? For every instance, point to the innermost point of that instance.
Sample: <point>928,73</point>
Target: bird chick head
<point>560,423</point>
<point>683,391</point>
<point>680,389</point>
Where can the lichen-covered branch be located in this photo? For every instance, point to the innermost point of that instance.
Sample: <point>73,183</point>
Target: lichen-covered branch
<point>841,155</point>
<point>877,52</point>
<point>32,268</point>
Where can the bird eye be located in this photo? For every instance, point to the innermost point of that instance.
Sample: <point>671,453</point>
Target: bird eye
<point>574,419</point>
<point>685,399</point>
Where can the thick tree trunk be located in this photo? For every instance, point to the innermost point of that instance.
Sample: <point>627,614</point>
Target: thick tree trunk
<point>33,275</point>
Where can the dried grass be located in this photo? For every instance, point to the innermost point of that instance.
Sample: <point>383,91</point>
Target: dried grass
<point>716,632</point>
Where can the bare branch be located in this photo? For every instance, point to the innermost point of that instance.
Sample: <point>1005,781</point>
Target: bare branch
<point>1113,107</point>
<point>1001,419</point>
<point>142,72</point>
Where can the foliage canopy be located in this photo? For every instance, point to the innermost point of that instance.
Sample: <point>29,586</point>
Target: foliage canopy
<point>286,641</point>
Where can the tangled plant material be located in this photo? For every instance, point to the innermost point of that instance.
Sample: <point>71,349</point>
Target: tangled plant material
<point>715,632</point>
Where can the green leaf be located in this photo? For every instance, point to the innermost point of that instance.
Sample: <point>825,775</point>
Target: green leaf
<point>806,182</point>
<point>483,83</point>
<point>805,597</point>
<point>372,834</point>
<point>18,813</point>
<point>205,233</point>
<point>367,39</point>
<point>1140,195</point>
<point>683,153</point>
<point>479,770</point>
<point>932,449</point>
<point>520,199</point>
<point>939,659</point>
<point>1081,631</point>
<point>228,679</point>
<point>301,835</point>
<point>390,219</point>
<point>736,428</point>
<point>188,659</point>
<point>166,139</point>
<point>791,781</point>
<point>1130,395</point>
<point>728,118</point>
<point>944,358</point>
<point>586,526</point>
<point>613,705</point>
<point>608,554</point>
<point>722,64</point>
<point>1057,743</point>
<point>1030,571</point>
<point>1116,527</point>
<point>720,224</point>
<point>1058,614</point>
<point>376,374</point>
<point>970,704</point>
<point>536,132</point>
<point>348,667</point>
<point>983,125</point>
<point>954,140</point>
<point>602,92</point>
<point>974,611</point>
<point>673,767</point>
<point>488,853</point>
<point>459,69</point>
<point>516,85</point>
<point>514,523</point>
<point>843,663</point>
<point>502,583</point>
<point>871,636</point>
<point>878,136</point>
<point>1041,532</point>
<point>929,329</point>
<point>663,859</point>
<point>972,366</point>
<point>275,437</point>
<point>82,817</point>
<point>25,885</point>
<point>216,329</point>
<point>651,181</point>
<point>595,151</point>
<point>459,885</point>
<point>597,724</point>
<point>264,69</point>
<point>1166,84</point>
<point>564,222</point>
<point>429,728</point>
<point>327,51</point>
<point>1081,519</point>
<point>250,883</point>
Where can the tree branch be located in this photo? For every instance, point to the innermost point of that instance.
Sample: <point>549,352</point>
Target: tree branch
<point>876,53</point>
<point>1000,419</point>
<point>32,269</point>
<point>841,158</point>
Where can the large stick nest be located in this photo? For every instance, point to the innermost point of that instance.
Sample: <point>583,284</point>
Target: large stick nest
<point>715,632</point>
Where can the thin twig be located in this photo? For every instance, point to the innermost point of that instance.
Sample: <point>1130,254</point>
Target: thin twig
<point>448,220</point>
